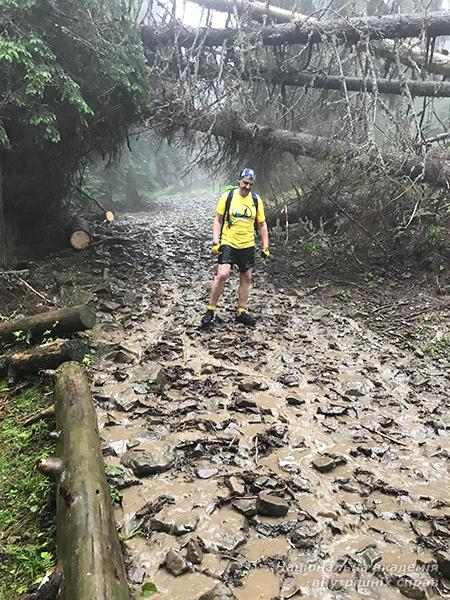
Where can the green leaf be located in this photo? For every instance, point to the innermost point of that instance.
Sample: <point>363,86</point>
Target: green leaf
<point>148,589</point>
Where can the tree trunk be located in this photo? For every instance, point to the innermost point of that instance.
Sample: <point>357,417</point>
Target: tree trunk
<point>433,168</point>
<point>351,30</point>
<point>47,356</point>
<point>59,322</point>
<point>256,10</point>
<point>80,237</point>
<point>3,246</point>
<point>436,89</point>
<point>88,548</point>
<point>412,57</point>
<point>416,58</point>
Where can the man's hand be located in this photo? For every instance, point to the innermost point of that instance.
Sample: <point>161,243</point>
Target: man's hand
<point>265,252</point>
<point>215,249</point>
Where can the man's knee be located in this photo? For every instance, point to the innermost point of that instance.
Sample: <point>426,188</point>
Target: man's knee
<point>246,276</point>
<point>222,275</point>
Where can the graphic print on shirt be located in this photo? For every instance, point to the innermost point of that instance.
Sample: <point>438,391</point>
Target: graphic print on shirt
<point>242,212</point>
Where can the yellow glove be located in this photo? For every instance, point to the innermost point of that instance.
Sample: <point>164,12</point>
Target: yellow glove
<point>265,252</point>
<point>215,249</point>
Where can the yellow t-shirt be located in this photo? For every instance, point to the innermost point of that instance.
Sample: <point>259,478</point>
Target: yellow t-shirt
<point>241,233</point>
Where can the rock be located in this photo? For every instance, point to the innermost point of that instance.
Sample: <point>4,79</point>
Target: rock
<point>246,386</point>
<point>409,587</point>
<point>218,592</point>
<point>294,401</point>
<point>332,410</point>
<point>236,486</point>
<point>358,387</point>
<point>125,399</point>
<point>175,563</point>
<point>328,462</point>
<point>194,553</point>
<point>206,472</point>
<point>443,561</point>
<point>245,507</point>
<point>271,506</point>
<point>145,463</point>
<point>323,464</point>
<point>148,372</point>
<point>305,535</point>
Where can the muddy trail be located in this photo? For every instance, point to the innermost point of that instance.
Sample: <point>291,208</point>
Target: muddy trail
<point>307,457</point>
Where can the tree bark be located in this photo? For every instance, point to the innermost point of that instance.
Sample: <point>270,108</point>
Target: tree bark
<point>88,548</point>
<point>432,168</point>
<point>3,245</point>
<point>351,30</point>
<point>256,10</point>
<point>47,356</point>
<point>435,89</point>
<point>80,236</point>
<point>60,322</point>
<point>411,57</point>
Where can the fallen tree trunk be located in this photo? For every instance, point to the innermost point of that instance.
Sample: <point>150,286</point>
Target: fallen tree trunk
<point>59,322</point>
<point>80,236</point>
<point>47,356</point>
<point>88,547</point>
<point>351,30</point>
<point>431,168</point>
<point>412,57</point>
<point>436,89</point>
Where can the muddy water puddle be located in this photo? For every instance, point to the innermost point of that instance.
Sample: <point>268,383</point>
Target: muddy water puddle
<point>308,409</point>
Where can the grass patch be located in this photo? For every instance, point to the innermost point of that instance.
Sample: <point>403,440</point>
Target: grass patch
<point>26,546</point>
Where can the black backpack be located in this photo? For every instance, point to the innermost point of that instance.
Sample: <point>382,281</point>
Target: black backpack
<point>226,214</point>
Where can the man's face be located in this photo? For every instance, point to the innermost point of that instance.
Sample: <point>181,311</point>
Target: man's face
<point>245,185</point>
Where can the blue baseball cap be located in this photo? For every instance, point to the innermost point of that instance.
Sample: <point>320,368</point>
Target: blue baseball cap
<point>248,173</point>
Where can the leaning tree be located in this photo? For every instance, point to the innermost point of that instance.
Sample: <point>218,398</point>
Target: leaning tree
<point>73,79</point>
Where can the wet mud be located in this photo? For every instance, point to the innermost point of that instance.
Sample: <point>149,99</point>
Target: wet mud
<point>307,457</point>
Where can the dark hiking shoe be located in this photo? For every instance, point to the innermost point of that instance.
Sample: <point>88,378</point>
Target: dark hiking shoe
<point>208,318</point>
<point>246,319</point>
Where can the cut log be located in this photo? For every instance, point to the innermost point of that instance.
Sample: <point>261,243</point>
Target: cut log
<point>412,57</point>
<point>109,216</point>
<point>47,356</point>
<point>433,168</point>
<point>351,30</point>
<point>80,236</point>
<point>88,548</point>
<point>60,322</point>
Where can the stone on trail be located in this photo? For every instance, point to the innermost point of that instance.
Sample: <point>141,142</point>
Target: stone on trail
<point>206,472</point>
<point>325,464</point>
<point>294,401</point>
<point>175,563</point>
<point>443,561</point>
<point>218,592</point>
<point>125,399</point>
<point>148,372</point>
<point>236,486</point>
<point>147,462</point>
<point>194,553</point>
<point>271,506</point>
<point>245,507</point>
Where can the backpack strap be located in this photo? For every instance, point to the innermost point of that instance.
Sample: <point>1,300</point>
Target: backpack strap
<point>226,214</point>
<point>255,204</point>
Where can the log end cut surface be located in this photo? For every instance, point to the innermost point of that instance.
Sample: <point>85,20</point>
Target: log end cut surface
<point>80,240</point>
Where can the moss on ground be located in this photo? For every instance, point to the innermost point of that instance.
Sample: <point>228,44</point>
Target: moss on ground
<point>26,543</point>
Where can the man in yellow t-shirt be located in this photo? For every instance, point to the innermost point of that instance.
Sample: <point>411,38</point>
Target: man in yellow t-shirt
<point>234,242</point>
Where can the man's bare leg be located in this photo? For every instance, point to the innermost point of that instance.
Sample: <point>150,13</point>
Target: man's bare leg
<point>245,284</point>
<point>223,272</point>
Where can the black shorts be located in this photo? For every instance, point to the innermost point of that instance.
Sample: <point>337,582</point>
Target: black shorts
<point>244,258</point>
